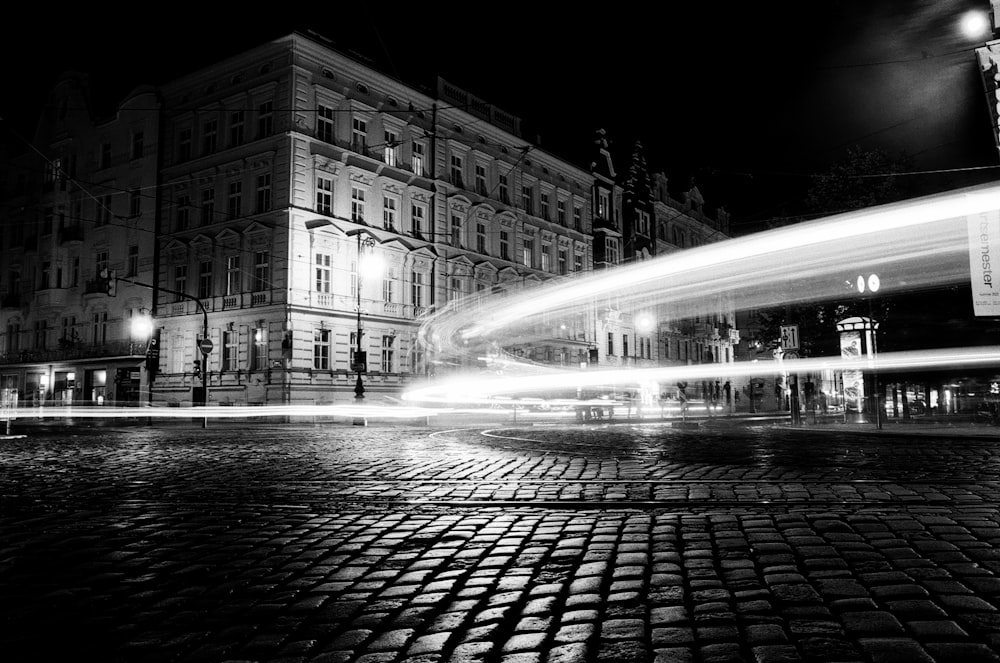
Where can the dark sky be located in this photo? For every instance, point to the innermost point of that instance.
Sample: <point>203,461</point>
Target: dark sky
<point>747,98</point>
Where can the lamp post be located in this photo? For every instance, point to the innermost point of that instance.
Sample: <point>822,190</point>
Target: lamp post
<point>366,245</point>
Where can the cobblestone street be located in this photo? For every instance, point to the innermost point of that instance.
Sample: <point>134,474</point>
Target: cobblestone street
<point>536,544</point>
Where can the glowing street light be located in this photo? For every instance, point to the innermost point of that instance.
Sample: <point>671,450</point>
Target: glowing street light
<point>974,24</point>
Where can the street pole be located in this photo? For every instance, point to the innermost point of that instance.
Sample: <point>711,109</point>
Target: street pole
<point>876,397</point>
<point>359,386</point>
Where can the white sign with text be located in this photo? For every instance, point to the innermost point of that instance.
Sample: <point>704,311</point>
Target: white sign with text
<point>984,258</point>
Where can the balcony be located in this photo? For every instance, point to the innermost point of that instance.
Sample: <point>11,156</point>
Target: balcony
<point>51,297</point>
<point>71,234</point>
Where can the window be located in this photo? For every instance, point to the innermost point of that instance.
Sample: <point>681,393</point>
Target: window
<point>42,333</point>
<point>134,203</point>
<point>578,262</point>
<point>263,192</point>
<point>354,280</point>
<point>105,158</point>
<point>235,200</point>
<point>456,170</point>
<point>204,279</point>
<point>258,348</point>
<point>101,262</point>
<point>265,119</point>
<point>389,204</point>
<point>624,345</point>
<point>229,350</point>
<point>324,123</point>
<point>321,349</point>
<point>480,238</point>
<point>48,221</point>
<point>236,124</point>
<point>543,207</point>
<point>417,219</point>
<point>69,334</point>
<point>45,278</point>
<point>527,200</point>
<point>417,288</point>
<point>504,190</point>
<point>528,252</point>
<point>561,212</point>
<point>207,207</point>
<point>323,272</point>
<point>184,145</point>
<point>561,262</point>
<point>603,205</point>
<point>359,135</point>
<point>137,145</point>
<point>504,245</point>
<point>456,230</point>
<point>180,282</point>
<point>578,218</point>
<point>209,136</point>
<point>389,287</point>
<point>103,215</point>
<point>261,271</point>
<point>99,332</point>
<point>132,265</point>
<point>183,218</point>
<point>418,158</point>
<point>390,150</point>
<point>13,337</point>
<point>232,275</point>
<point>51,173</point>
<point>611,250</point>
<point>481,187</point>
<point>546,256</point>
<point>324,195</point>
<point>353,345</point>
<point>357,204</point>
<point>642,222</point>
<point>387,353</point>
<point>74,276</point>
<point>611,343</point>
<point>457,291</point>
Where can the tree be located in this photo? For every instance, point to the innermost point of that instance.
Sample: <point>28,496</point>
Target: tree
<point>863,178</point>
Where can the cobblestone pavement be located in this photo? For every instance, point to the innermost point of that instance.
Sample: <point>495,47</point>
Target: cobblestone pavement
<point>537,544</point>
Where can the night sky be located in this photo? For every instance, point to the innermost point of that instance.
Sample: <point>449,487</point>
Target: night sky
<point>749,99</point>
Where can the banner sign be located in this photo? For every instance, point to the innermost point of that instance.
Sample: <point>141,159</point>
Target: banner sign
<point>984,257</point>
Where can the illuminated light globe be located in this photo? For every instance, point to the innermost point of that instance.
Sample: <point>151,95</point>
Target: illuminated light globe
<point>644,322</point>
<point>974,24</point>
<point>142,326</point>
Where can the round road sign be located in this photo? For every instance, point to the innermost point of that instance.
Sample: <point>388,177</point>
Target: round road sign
<point>205,345</point>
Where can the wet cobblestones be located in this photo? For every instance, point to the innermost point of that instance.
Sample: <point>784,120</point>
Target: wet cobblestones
<point>355,545</point>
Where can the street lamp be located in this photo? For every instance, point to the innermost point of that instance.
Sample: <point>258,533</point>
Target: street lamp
<point>367,263</point>
<point>142,332</point>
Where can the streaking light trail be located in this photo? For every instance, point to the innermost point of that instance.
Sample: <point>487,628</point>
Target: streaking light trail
<point>913,245</point>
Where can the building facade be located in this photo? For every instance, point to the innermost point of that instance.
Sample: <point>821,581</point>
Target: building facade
<point>241,208</point>
<point>288,171</point>
<point>80,205</point>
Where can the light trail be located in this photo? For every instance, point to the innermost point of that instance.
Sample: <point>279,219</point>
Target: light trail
<point>913,245</point>
<point>481,389</point>
<point>223,412</point>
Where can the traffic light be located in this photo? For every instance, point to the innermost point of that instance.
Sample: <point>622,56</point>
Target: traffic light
<point>108,282</point>
<point>197,368</point>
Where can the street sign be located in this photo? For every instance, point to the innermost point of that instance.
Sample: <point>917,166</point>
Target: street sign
<point>205,345</point>
<point>790,354</point>
<point>790,337</point>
